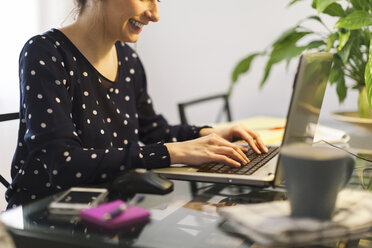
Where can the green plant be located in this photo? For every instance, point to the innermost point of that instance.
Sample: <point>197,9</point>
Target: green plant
<point>349,40</point>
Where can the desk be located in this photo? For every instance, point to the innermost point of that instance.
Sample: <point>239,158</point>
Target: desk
<point>179,219</point>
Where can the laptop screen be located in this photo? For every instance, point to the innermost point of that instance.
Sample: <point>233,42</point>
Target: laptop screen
<point>307,97</point>
<point>308,92</point>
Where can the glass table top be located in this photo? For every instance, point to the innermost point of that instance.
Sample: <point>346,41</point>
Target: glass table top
<point>178,219</point>
<point>182,218</point>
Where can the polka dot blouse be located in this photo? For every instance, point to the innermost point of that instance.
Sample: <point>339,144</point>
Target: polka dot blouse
<point>78,127</point>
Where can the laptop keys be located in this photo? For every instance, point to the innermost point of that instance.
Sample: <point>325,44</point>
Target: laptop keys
<point>256,162</point>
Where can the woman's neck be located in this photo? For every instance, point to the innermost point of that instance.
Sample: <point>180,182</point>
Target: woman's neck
<point>90,38</point>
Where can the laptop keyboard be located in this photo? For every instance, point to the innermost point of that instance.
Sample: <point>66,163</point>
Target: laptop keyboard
<point>256,162</point>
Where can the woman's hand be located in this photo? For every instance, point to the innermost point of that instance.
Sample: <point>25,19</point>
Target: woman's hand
<point>210,148</point>
<point>238,132</point>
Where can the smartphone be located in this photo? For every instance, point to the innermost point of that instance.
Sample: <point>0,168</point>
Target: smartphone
<point>76,199</point>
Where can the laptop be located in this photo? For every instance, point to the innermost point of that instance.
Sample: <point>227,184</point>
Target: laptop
<point>302,119</point>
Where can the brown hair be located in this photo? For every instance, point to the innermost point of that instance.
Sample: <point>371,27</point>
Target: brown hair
<point>80,5</point>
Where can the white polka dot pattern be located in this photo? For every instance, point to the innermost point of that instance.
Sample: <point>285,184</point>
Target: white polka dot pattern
<point>83,122</point>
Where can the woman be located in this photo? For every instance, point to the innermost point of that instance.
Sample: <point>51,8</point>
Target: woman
<point>84,108</point>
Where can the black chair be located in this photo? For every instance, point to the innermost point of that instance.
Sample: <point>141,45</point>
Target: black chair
<point>7,117</point>
<point>225,107</point>
<point>225,110</point>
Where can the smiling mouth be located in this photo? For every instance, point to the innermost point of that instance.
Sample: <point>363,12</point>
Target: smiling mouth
<point>136,23</point>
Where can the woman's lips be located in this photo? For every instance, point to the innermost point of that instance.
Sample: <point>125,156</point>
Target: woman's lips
<point>136,25</point>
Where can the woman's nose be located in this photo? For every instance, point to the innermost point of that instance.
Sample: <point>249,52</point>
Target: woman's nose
<point>153,12</point>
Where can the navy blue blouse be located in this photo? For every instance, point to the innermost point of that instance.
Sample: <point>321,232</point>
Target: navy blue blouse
<point>77,127</point>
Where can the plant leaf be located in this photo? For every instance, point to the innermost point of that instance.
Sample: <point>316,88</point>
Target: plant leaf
<point>316,18</point>
<point>293,2</point>
<point>311,45</point>
<point>341,89</point>
<point>321,5</point>
<point>334,9</point>
<point>285,47</point>
<point>286,35</point>
<point>368,76</point>
<point>243,66</point>
<point>355,20</point>
<point>343,38</point>
<point>360,4</point>
<point>331,39</point>
<point>365,36</point>
<point>336,71</point>
<point>345,51</point>
<point>337,76</point>
<point>314,44</point>
<point>314,3</point>
<point>268,66</point>
<point>287,54</point>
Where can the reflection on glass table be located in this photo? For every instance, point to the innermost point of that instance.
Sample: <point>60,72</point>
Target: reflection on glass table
<point>177,220</point>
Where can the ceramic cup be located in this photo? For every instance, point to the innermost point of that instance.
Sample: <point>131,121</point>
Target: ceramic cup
<point>314,176</point>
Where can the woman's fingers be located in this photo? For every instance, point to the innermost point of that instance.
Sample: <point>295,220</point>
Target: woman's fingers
<point>233,153</point>
<point>237,150</point>
<point>225,160</point>
<point>245,149</point>
<point>252,144</point>
<point>252,138</point>
<point>210,148</point>
<point>258,140</point>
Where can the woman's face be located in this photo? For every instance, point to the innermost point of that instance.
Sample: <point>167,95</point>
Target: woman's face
<point>124,19</point>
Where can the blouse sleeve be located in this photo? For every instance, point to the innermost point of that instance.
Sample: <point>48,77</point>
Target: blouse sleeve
<point>51,139</point>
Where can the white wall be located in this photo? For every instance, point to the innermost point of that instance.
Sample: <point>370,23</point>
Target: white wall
<point>55,13</point>
<point>17,20</point>
<point>20,19</point>
<point>189,53</point>
<point>17,23</point>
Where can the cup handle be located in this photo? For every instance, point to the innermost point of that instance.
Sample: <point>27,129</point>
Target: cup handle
<point>349,169</point>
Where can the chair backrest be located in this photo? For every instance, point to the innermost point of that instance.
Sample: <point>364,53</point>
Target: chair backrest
<point>7,117</point>
<point>224,110</point>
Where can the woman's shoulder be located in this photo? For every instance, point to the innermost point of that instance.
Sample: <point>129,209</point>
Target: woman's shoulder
<point>45,39</point>
<point>48,42</point>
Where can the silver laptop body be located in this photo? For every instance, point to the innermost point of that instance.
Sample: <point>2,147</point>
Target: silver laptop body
<point>302,118</point>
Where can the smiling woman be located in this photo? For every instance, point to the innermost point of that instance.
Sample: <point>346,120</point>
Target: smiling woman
<point>124,19</point>
<point>106,22</point>
<point>85,111</point>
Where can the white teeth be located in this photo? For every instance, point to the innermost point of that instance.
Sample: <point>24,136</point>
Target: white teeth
<point>135,23</point>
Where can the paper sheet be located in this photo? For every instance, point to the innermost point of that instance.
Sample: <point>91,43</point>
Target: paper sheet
<point>270,223</point>
<point>271,130</point>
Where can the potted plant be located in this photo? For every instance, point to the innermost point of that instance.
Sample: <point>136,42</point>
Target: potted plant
<point>349,40</point>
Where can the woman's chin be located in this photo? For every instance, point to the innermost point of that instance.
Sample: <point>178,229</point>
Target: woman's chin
<point>129,38</point>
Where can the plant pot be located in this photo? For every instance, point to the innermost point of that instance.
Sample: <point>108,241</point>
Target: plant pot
<point>352,117</point>
<point>363,107</point>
